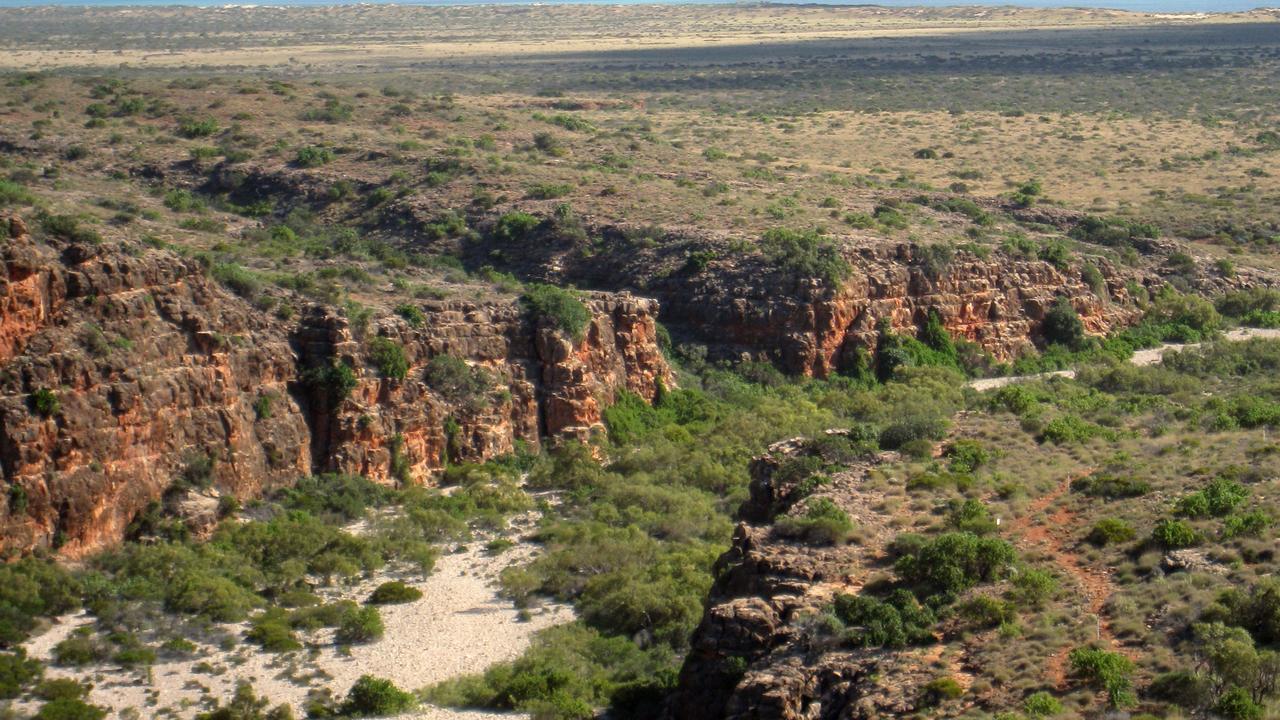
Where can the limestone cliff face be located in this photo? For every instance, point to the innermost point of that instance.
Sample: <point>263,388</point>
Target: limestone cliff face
<point>738,305</point>
<point>123,371</point>
<point>537,382</point>
<point>118,372</point>
<point>811,329</point>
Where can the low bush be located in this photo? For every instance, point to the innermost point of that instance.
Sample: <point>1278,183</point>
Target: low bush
<point>313,156</point>
<point>805,254</point>
<point>1219,498</point>
<point>272,632</point>
<point>17,673</point>
<point>376,697</point>
<point>1175,534</point>
<point>388,356</point>
<point>1041,705</point>
<point>953,562</point>
<point>895,621</point>
<point>70,709</point>
<point>821,522</point>
<point>1110,487</point>
<point>938,691</point>
<point>559,307</point>
<point>359,625</point>
<point>394,592</point>
<point>1110,531</point>
<point>1109,670</point>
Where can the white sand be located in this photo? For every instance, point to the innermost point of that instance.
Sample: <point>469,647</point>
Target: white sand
<point>460,626</point>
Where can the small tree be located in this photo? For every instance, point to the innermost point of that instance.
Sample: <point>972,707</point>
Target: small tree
<point>389,358</point>
<point>1062,325</point>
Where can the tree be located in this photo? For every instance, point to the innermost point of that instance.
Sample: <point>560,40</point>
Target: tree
<point>1062,325</point>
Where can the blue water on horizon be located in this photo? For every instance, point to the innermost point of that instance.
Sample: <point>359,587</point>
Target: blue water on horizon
<point>1171,6</point>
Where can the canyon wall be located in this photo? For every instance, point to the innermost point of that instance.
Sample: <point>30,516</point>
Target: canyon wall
<point>810,329</point>
<point>760,650</point>
<point>125,372</point>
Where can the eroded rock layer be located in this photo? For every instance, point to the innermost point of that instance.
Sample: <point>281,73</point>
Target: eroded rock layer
<point>125,373</point>
<point>759,651</point>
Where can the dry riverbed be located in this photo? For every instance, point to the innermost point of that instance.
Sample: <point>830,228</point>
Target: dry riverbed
<point>460,626</point>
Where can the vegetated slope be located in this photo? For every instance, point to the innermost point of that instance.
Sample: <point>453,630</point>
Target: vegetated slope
<point>1106,542</point>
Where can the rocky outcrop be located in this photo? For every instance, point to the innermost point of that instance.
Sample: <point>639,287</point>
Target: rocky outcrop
<point>531,381</point>
<point>120,371</point>
<point>759,651</point>
<point>130,376</point>
<point>739,306</point>
<point>808,328</point>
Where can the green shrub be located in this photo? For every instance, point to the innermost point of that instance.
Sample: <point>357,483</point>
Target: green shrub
<point>79,649</point>
<point>562,308</point>
<point>375,697</point>
<point>392,592</point>
<point>954,562</point>
<point>1189,690</point>
<point>1114,232</point>
<point>937,691</point>
<point>331,383</point>
<point>17,673</point>
<point>12,193</point>
<point>246,705</point>
<point>45,402</point>
<point>1041,705</point>
<point>359,625</point>
<point>971,516</point>
<point>1245,524</point>
<point>411,313</point>
<point>1112,671</point>
<point>180,200</point>
<point>1110,487</point>
<point>61,688</point>
<point>241,281</point>
<point>821,522</point>
<point>343,496</point>
<point>1220,498</point>
<point>1062,325</point>
<point>805,254</point>
<point>388,356</point>
<point>896,621</point>
<point>983,612</point>
<point>965,456</point>
<point>1031,588</point>
<point>1237,704</point>
<point>458,382</point>
<point>1070,429</point>
<point>912,427</point>
<point>69,228</point>
<point>1109,531</point>
<point>70,709</point>
<point>192,127</point>
<point>314,156</point>
<point>1174,534</point>
<point>271,630</point>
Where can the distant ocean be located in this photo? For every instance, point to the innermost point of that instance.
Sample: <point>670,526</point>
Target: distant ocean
<point>1171,6</point>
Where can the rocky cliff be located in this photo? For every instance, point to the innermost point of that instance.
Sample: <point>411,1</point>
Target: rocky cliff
<point>815,330</point>
<point>716,292</point>
<point>127,373</point>
<point>760,651</point>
